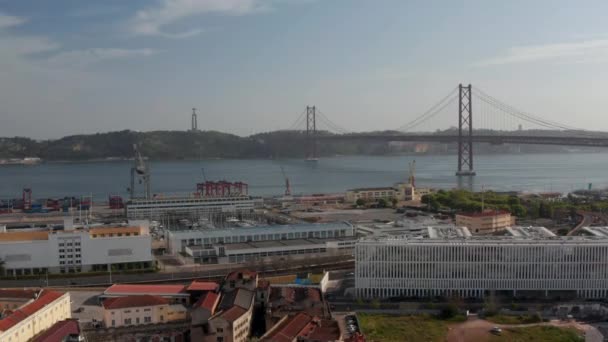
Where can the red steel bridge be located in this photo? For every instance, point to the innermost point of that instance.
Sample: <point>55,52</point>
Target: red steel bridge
<point>495,123</point>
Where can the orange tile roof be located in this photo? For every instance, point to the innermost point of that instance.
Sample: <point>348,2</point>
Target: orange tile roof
<point>292,327</point>
<point>25,236</point>
<point>46,297</point>
<point>133,302</point>
<point>202,286</point>
<point>12,293</point>
<point>233,313</point>
<point>59,331</point>
<point>114,230</point>
<point>128,289</point>
<point>209,301</point>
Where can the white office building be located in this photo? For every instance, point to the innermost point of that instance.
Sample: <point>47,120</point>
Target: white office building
<point>73,250</point>
<point>449,261</point>
<point>210,245</point>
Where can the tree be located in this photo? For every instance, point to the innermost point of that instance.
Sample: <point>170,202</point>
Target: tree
<point>2,270</point>
<point>518,210</point>
<point>382,203</point>
<point>394,201</point>
<point>360,202</point>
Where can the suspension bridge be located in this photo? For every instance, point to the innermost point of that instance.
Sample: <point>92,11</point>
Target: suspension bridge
<point>496,122</point>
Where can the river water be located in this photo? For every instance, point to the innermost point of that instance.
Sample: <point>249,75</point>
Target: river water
<point>524,172</point>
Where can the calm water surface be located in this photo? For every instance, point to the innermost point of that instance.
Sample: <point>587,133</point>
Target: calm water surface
<point>528,172</point>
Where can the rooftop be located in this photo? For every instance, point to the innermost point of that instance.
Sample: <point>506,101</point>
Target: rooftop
<point>37,234</point>
<point>198,285</point>
<point>487,213</point>
<point>280,243</point>
<point>274,229</point>
<point>383,188</point>
<point>208,301</point>
<point>18,294</point>
<point>233,313</point>
<point>46,297</point>
<point>290,328</point>
<point>131,289</point>
<point>59,331</point>
<point>520,235</point>
<point>133,302</point>
<point>238,297</point>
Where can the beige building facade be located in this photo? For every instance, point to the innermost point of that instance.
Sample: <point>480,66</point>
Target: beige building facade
<point>141,310</point>
<point>36,316</point>
<point>486,222</point>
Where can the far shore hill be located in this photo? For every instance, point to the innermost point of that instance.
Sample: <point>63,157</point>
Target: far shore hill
<point>189,145</point>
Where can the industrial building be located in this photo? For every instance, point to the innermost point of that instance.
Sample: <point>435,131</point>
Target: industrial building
<point>486,222</point>
<point>210,245</point>
<point>450,261</point>
<point>75,249</point>
<point>194,206</point>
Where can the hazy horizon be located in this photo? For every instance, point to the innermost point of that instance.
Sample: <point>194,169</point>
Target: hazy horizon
<point>251,66</point>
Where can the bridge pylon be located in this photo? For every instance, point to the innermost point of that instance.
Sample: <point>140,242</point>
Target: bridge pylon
<point>465,131</point>
<point>311,133</point>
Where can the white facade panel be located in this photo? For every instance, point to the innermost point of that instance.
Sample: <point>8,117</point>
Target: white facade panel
<point>473,266</point>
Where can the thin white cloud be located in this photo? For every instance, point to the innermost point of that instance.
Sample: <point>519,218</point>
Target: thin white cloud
<point>87,57</point>
<point>7,21</point>
<point>576,52</point>
<point>153,21</point>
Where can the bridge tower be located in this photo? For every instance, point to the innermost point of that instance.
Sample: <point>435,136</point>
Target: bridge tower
<point>311,133</point>
<point>194,120</point>
<point>465,131</point>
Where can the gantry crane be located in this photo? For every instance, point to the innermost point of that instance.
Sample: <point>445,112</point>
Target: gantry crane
<point>140,168</point>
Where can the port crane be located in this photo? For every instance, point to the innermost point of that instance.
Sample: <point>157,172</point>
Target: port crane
<point>412,177</point>
<point>140,169</point>
<point>287,184</point>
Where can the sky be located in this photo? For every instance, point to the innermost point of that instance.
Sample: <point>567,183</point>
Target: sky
<point>248,66</point>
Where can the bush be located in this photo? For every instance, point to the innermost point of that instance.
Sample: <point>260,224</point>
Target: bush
<point>448,311</point>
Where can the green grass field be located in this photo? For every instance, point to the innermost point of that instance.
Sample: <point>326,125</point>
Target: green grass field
<point>539,334</point>
<point>388,328</point>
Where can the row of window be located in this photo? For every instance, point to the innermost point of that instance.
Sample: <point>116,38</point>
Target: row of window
<point>62,244</point>
<point>69,250</point>
<point>264,237</point>
<point>114,235</point>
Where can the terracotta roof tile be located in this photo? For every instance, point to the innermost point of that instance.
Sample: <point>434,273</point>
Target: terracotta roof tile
<point>45,298</point>
<point>233,313</point>
<point>145,289</point>
<point>12,293</point>
<point>208,301</point>
<point>133,302</point>
<point>202,286</point>
<point>59,331</point>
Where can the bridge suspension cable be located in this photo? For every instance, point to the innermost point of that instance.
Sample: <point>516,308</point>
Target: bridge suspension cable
<point>298,122</point>
<point>330,124</point>
<point>514,112</point>
<point>431,112</point>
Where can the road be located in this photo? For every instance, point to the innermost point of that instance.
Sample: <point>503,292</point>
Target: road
<point>177,277</point>
<point>587,220</point>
